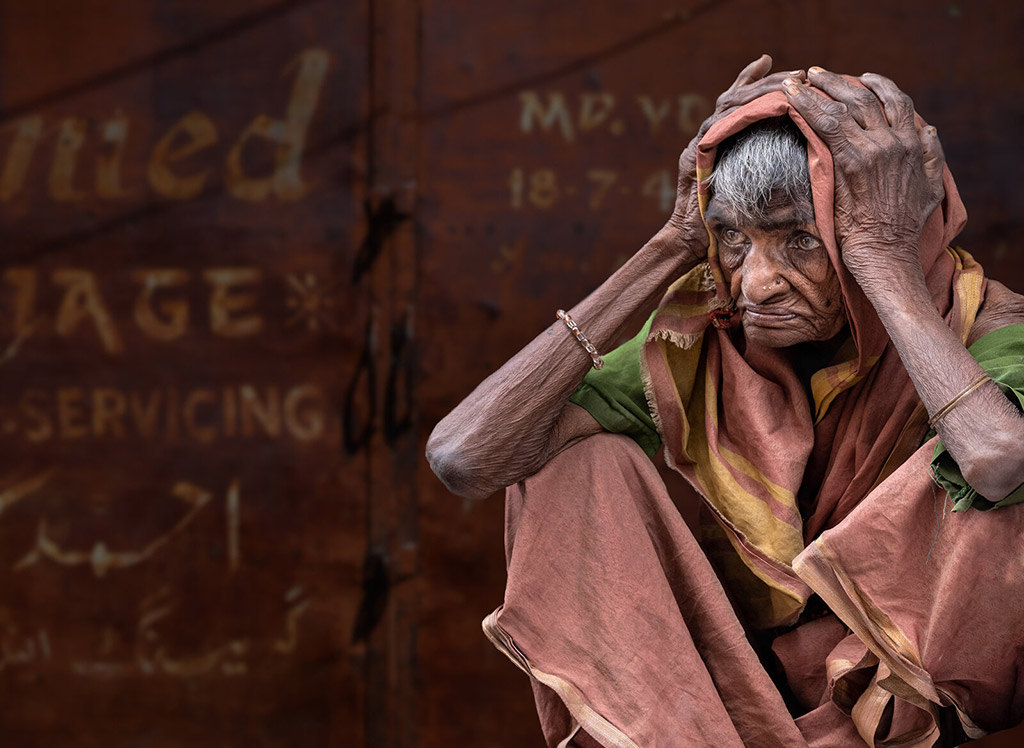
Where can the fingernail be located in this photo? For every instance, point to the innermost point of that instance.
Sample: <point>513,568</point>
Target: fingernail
<point>865,75</point>
<point>930,130</point>
<point>797,73</point>
<point>815,70</point>
<point>791,87</point>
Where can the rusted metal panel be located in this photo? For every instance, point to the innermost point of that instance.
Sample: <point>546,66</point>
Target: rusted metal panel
<point>395,450</point>
<point>253,251</point>
<point>184,511</point>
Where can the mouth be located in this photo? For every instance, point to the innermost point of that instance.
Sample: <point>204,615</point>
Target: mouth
<point>767,317</point>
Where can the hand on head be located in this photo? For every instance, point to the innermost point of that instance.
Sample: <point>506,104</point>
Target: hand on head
<point>888,174</point>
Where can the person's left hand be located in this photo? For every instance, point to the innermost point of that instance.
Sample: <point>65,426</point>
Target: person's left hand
<point>888,176</point>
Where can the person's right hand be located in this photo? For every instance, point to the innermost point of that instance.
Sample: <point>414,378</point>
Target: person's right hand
<point>690,235</point>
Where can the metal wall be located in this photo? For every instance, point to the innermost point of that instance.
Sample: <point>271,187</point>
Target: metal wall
<point>253,251</point>
<point>183,502</point>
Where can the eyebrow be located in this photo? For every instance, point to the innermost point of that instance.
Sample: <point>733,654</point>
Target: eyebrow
<point>782,224</point>
<point>777,224</point>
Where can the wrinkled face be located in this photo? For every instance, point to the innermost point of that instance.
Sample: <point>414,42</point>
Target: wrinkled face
<point>779,273</point>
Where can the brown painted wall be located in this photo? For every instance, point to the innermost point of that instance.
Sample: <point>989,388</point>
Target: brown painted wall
<point>183,521</point>
<point>253,251</point>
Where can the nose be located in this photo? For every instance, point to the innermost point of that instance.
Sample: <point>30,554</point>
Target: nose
<point>760,276</point>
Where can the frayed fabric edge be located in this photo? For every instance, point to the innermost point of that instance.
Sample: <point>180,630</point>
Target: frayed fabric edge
<point>683,341</point>
<point>583,715</point>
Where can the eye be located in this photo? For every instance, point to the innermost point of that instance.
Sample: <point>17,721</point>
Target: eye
<point>732,236</point>
<point>808,242</point>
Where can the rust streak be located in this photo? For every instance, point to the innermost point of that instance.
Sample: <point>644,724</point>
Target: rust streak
<point>214,36</point>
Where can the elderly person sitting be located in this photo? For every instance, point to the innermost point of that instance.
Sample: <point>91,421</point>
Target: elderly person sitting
<point>832,377</point>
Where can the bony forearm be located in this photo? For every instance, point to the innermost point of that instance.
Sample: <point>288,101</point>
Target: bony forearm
<point>977,423</point>
<point>503,430</point>
<point>890,275</point>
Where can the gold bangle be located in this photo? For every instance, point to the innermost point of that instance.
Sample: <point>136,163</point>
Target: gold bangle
<point>587,345</point>
<point>948,407</point>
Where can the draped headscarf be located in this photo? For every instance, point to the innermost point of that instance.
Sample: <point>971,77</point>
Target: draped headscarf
<point>735,416</point>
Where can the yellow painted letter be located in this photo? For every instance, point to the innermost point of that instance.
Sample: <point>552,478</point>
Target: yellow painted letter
<point>82,299</point>
<point>289,134</point>
<point>224,304</point>
<point>172,319</point>
<point>200,133</point>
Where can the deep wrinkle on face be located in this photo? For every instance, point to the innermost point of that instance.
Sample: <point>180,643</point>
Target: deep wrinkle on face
<point>778,273</point>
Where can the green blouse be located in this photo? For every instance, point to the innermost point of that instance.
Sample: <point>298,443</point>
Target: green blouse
<point>614,396</point>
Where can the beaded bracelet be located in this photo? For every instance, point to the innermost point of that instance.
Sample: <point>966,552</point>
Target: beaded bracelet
<point>946,409</point>
<point>587,345</point>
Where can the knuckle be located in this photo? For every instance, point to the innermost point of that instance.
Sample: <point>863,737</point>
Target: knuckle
<point>833,108</point>
<point>828,125</point>
<point>864,99</point>
<point>885,84</point>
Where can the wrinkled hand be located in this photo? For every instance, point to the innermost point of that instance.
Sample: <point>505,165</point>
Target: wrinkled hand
<point>888,176</point>
<point>752,82</point>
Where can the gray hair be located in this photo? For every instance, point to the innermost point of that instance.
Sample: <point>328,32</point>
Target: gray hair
<point>762,166</point>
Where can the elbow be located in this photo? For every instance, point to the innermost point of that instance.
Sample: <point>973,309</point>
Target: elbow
<point>453,467</point>
<point>997,471</point>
